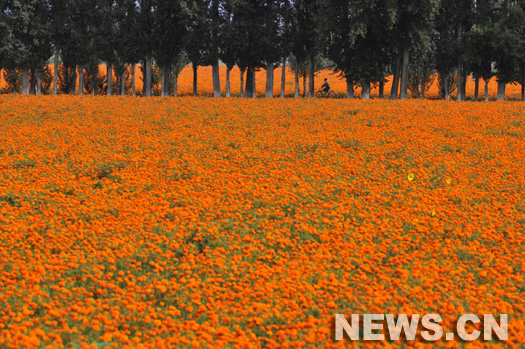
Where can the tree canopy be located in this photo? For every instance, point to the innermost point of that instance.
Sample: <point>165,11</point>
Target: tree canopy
<point>365,41</point>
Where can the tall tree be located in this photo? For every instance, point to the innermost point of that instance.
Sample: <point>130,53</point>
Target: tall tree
<point>107,38</point>
<point>286,44</point>
<point>248,24</point>
<point>311,19</point>
<point>59,33</point>
<point>229,43</point>
<point>147,38</point>
<point>82,38</point>
<point>197,39</point>
<point>26,39</point>
<point>129,47</point>
<point>452,23</point>
<point>412,27</point>
<point>170,31</point>
<point>508,33</point>
<point>271,40</point>
<point>479,52</point>
<point>298,39</point>
<point>215,27</point>
<point>359,35</point>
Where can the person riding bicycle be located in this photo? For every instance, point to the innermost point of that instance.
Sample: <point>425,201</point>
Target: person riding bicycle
<point>325,86</point>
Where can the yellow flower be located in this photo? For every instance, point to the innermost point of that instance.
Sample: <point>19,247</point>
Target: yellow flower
<point>433,213</point>
<point>448,180</point>
<point>411,176</point>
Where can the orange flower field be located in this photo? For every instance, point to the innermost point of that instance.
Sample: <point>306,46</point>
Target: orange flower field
<point>248,223</point>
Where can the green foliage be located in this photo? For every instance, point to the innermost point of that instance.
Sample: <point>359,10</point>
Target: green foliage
<point>320,62</point>
<point>47,79</point>
<point>93,79</point>
<point>25,39</point>
<point>67,76</point>
<point>169,29</point>
<point>106,170</point>
<point>10,199</point>
<point>13,80</point>
<point>197,42</point>
<point>156,77</point>
<point>359,39</point>
<point>509,40</point>
<point>452,82</point>
<point>419,79</point>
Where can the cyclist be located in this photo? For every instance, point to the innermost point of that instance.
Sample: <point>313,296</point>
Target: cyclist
<point>326,86</point>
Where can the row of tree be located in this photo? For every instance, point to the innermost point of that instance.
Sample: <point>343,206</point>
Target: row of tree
<point>364,40</point>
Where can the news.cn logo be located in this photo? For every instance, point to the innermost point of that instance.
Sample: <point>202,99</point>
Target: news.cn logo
<point>432,330</point>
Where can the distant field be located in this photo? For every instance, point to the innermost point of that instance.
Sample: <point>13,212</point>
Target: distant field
<point>196,222</point>
<point>185,84</point>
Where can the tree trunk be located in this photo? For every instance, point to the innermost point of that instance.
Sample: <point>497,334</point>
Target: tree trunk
<point>381,89</point>
<point>215,25</point>
<point>38,76</point>
<point>175,83</point>
<point>109,78</point>
<point>93,85</point>
<point>25,81</point>
<point>395,81</point>
<point>460,66</point>
<point>304,85</point>
<point>74,84</point>
<point>312,75</point>
<point>243,69</point>
<point>283,78</point>
<point>464,88</point>
<point>80,80</point>
<point>163,81</point>
<point>460,83</point>
<point>55,77</point>
<point>133,80</point>
<point>216,79</point>
<point>195,67</point>
<point>32,85</point>
<point>523,91</point>
<point>123,84</point>
<point>486,89</point>
<point>403,94</point>
<point>147,76</point>
<point>228,70</point>
<point>349,88</point>
<point>269,79</point>
<point>67,81</point>
<point>250,83</point>
<point>423,83</point>
<point>167,74</point>
<point>418,74</point>
<point>365,91</point>
<point>501,90</point>
<point>476,89</point>
<point>297,90</point>
<point>446,92</point>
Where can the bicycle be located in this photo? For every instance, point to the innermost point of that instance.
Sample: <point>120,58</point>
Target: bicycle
<point>322,94</point>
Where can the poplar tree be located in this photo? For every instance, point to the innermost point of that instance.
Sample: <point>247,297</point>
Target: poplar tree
<point>413,26</point>
<point>169,33</point>
<point>358,37</point>
<point>26,38</point>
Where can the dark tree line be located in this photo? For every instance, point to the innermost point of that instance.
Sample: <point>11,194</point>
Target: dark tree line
<point>364,41</point>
